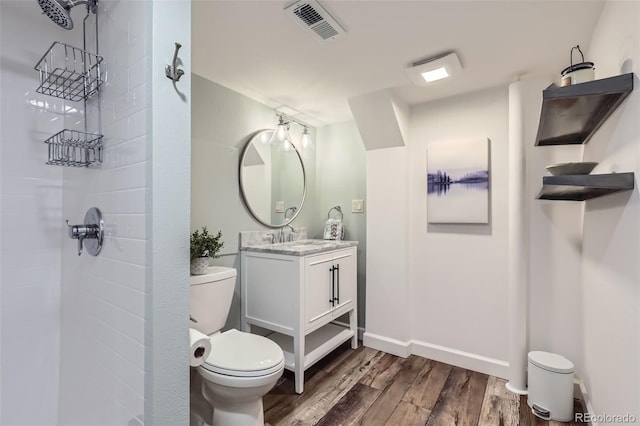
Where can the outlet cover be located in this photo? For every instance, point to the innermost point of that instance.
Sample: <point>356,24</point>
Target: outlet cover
<point>279,206</point>
<point>357,206</point>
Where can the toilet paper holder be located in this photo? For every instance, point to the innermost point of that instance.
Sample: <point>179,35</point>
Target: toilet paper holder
<point>90,234</point>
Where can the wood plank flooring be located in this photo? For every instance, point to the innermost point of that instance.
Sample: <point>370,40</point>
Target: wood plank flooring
<point>370,388</point>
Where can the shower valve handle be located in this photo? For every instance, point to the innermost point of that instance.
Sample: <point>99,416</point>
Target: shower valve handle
<point>90,234</point>
<point>80,232</point>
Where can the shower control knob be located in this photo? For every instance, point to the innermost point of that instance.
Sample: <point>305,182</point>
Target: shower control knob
<point>90,234</point>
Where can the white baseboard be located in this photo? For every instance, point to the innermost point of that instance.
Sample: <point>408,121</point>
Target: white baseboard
<point>585,398</point>
<point>470,361</point>
<point>385,344</point>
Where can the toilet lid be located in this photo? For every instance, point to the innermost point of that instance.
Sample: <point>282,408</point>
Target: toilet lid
<point>243,354</point>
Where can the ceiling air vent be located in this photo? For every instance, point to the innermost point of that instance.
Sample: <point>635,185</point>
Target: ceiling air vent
<point>314,18</point>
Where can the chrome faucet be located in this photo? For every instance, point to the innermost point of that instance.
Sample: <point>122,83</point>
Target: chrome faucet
<point>282,234</point>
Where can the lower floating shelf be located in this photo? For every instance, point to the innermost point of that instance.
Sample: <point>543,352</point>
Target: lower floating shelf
<point>317,344</point>
<point>584,187</point>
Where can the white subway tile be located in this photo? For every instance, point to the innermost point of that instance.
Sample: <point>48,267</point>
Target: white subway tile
<point>16,261</point>
<point>138,124</point>
<point>128,324</point>
<point>124,346</point>
<point>127,274</point>
<point>124,250</point>
<point>136,226</point>
<point>120,296</point>
<point>128,153</point>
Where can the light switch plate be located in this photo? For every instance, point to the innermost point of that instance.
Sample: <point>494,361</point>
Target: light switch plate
<point>279,206</point>
<point>357,206</point>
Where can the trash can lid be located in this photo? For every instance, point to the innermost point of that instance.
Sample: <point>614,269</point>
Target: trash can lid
<point>551,362</point>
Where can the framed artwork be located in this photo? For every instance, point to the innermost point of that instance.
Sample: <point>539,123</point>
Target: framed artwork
<point>458,181</point>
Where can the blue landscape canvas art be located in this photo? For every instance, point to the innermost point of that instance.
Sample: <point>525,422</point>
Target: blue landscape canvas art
<point>458,182</point>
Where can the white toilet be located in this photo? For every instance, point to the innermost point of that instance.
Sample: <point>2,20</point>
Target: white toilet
<point>242,367</point>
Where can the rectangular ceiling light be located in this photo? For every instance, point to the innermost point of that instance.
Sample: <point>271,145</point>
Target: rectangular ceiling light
<point>435,75</point>
<point>428,71</point>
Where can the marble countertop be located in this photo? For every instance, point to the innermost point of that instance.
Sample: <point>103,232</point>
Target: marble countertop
<point>301,247</point>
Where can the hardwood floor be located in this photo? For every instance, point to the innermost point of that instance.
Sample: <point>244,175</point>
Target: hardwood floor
<point>370,388</point>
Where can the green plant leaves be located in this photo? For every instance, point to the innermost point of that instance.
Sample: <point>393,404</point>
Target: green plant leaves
<point>204,244</point>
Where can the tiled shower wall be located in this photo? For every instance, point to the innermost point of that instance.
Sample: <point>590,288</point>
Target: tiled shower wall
<point>103,298</point>
<point>31,221</point>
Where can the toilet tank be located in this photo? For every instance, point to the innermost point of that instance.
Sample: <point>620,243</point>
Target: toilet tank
<point>210,298</point>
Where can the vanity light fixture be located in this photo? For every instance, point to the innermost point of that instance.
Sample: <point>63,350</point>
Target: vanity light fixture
<point>282,138</point>
<point>428,71</point>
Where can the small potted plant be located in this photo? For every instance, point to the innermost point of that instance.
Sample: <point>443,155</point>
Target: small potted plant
<point>204,247</point>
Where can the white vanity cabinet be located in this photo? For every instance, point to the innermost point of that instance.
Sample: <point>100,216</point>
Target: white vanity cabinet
<point>298,297</point>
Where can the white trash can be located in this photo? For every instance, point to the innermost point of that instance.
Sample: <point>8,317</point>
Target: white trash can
<point>550,387</point>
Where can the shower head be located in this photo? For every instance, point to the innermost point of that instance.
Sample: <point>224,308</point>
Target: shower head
<point>59,11</point>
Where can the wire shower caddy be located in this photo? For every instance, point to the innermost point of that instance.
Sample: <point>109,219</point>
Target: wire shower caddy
<point>69,73</point>
<point>73,74</point>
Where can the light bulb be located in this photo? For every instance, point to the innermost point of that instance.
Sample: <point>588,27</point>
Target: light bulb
<point>281,132</point>
<point>305,140</point>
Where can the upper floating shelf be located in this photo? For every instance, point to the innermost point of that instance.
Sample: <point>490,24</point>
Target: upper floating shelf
<point>572,114</point>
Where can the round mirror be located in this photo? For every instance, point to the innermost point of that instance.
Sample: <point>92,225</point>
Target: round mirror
<point>272,179</point>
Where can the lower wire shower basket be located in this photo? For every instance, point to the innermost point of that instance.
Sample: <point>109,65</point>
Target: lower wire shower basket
<point>74,148</point>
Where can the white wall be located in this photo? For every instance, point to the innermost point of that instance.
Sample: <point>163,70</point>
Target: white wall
<point>458,280</point>
<point>388,290</point>
<point>168,201</point>
<point>439,291</point>
<point>458,272</point>
<point>30,222</point>
<point>611,246</point>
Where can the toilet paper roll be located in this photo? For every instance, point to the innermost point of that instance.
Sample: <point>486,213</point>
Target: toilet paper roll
<point>200,347</point>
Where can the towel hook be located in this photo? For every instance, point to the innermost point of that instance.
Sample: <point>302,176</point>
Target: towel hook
<point>338,209</point>
<point>172,71</point>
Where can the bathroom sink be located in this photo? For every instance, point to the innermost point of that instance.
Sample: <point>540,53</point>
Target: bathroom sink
<point>298,245</point>
<point>302,244</point>
<point>306,246</point>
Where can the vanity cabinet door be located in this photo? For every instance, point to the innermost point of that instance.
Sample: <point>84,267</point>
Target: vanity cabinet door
<point>345,279</point>
<point>319,291</point>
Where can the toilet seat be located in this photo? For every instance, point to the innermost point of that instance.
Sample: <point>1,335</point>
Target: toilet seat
<point>238,354</point>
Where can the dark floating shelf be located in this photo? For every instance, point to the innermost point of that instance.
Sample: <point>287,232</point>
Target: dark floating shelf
<point>572,114</point>
<point>584,187</point>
